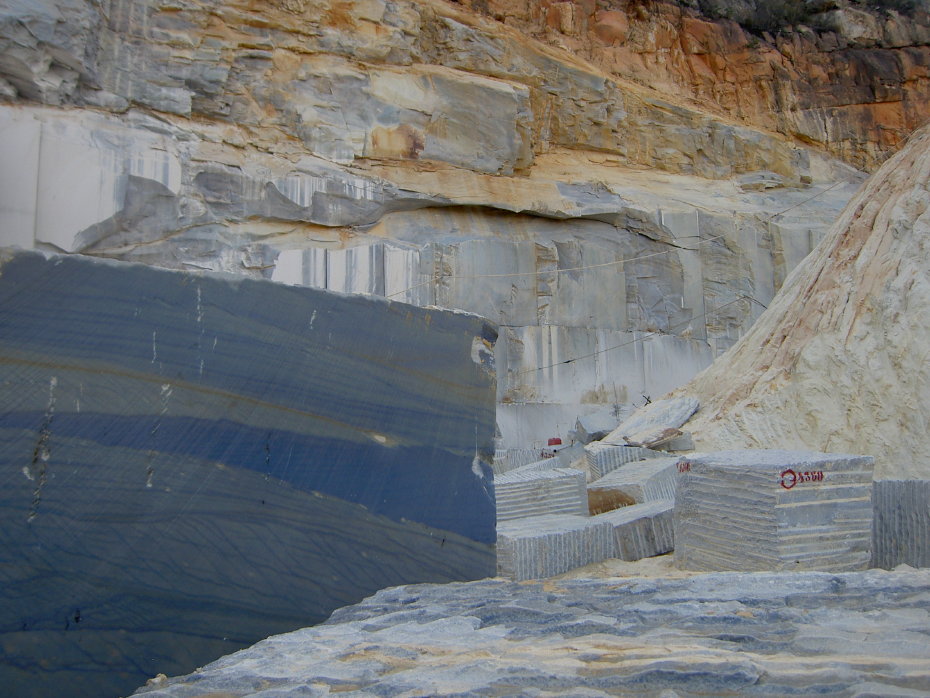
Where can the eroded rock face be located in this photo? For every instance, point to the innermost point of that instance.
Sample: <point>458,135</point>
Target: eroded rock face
<point>418,151</point>
<point>851,78</point>
<point>837,361</point>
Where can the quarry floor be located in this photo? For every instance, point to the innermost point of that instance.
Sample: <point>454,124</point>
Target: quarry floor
<point>613,628</point>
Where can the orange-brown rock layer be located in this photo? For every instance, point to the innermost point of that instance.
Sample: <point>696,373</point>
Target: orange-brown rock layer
<point>856,86</point>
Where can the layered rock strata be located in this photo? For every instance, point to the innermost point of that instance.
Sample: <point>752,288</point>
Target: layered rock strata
<point>620,239</point>
<point>193,462</point>
<point>850,77</point>
<point>850,634</point>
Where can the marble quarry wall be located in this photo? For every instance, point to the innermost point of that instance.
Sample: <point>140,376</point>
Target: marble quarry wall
<point>416,151</point>
<point>191,462</point>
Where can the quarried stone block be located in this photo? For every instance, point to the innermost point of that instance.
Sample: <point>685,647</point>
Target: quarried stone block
<point>193,462</point>
<point>774,510</point>
<point>901,524</point>
<point>604,458</point>
<point>533,492</point>
<point>635,483</point>
<point>642,530</point>
<point>543,546</point>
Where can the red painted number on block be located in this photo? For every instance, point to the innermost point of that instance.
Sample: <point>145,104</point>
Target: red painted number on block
<point>790,478</point>
<point>684,466</point>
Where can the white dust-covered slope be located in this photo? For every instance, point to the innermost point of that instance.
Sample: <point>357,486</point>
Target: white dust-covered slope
<point>841,359</point>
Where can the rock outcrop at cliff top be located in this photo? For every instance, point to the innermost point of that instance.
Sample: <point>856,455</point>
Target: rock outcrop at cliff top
<point>839,360</point>
<point>850,77</point>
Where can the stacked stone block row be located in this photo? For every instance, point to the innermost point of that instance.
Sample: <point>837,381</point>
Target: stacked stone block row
<point>538,466</point>
<point>542,546</point>
<point>774,510</point>
<point>509,459</point>
<point>533,492</point>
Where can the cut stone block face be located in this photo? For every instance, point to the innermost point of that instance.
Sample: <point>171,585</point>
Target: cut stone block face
<point>774,510</point>
<point>180,430</point>
<point>642,530</point>
<point>523,492</point>
<point>604,458</point>
<point>592,427</point>
<point>635,483</point>
<point>538,466</point>
<point>542,546</point>
<point>901,527</point>
<point>518,457</point>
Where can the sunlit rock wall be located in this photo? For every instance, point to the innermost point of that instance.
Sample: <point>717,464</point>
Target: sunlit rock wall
<point>416,151</point>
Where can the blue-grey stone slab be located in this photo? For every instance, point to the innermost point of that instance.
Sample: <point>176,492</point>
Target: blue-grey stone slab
<point>901,523</point>
<point>193,462</point>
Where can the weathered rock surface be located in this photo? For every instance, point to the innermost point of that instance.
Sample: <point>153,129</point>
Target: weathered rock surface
<point>851,77</point>
<point>193,462</point>
<point>852,634</point>
<point>417,151</point>
<point>648,426</point>
<point>774,510</point>
<point>837,361</point>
